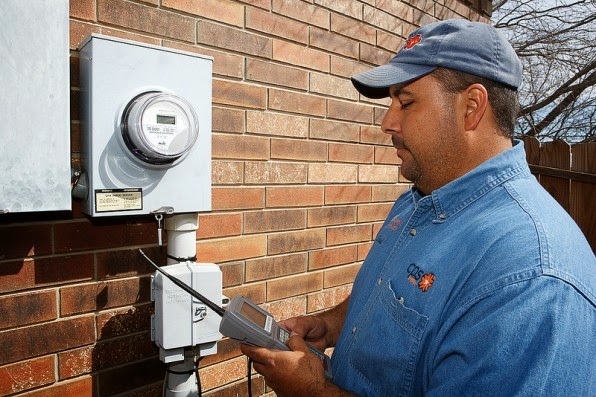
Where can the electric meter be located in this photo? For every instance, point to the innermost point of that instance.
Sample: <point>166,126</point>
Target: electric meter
<point>159,128</point>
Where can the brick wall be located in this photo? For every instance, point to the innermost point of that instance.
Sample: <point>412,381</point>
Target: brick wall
<point>302,180</point>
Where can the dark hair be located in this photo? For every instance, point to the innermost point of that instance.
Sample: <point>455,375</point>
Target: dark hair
<point>502,98</point>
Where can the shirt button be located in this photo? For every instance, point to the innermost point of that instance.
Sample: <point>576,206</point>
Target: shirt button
<point>379,281</point>
<point>443,216</point>
<point>412,232</point>
<point>353,330</point>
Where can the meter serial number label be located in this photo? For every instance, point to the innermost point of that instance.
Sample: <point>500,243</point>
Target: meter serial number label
<point>110,200</point>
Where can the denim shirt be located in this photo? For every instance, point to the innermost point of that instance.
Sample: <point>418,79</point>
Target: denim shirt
<point>484,287</point>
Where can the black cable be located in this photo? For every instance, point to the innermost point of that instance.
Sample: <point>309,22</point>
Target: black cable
<point>191,258</point>
<point>199,387</point>
<point>249,381</point>
<point>186,288</point>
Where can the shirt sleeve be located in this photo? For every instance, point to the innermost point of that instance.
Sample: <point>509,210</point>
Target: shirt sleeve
<point>524,338</point>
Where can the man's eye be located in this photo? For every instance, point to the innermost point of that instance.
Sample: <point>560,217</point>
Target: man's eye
<point>405,105</point>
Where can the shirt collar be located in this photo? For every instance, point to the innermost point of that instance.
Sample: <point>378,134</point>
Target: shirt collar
<point>456,195</point>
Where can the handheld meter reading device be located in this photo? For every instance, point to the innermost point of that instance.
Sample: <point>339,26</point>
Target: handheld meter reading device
<point>246,322</point>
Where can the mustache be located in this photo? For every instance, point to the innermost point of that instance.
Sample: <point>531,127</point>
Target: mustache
<point>398,143</point>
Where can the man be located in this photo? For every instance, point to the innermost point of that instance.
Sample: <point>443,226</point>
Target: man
<point>478,283</point>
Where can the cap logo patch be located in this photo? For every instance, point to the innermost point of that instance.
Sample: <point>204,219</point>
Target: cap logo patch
<point>412,41</point>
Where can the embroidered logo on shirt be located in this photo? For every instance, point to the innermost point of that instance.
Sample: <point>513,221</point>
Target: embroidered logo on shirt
<point>394,224</point>
<point>418,277</point>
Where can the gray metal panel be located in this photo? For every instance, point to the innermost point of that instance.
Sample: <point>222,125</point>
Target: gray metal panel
<point>34,106</point>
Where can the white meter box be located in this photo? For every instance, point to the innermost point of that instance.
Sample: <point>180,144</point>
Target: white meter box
<point>146,128</point>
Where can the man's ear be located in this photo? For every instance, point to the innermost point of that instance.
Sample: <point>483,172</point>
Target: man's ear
<point>476,102</point>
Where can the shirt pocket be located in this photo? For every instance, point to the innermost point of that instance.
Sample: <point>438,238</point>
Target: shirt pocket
<point>387,345</point>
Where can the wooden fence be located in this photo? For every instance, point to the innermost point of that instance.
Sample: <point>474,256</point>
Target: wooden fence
<point>568,173</point>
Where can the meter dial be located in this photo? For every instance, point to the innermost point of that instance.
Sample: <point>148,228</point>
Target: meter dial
<point>159,128</point>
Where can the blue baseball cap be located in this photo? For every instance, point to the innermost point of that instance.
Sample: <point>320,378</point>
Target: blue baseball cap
<point>471,47</point>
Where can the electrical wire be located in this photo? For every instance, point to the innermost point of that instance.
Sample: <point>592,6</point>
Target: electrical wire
<point>249,381</point>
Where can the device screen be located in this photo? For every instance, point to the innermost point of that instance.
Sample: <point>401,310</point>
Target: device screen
<point>161,119</point>
<point>253,315</point>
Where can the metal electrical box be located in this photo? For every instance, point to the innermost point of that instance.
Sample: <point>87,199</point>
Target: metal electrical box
<point>34,106</point>
<point>146,128</point>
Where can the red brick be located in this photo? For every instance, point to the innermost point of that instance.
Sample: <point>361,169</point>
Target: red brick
<point>75,362</point>
<point>219,10</point>
<point>295,241</point>
<point>352,9</point>
<point>256,292</point>
<point>224,64</point>
<point>340,275</point>
<point>294,102</point>
<point>327,298</point>
<point>298,149</point>
<point>276,266</point>
<point>347,194</point>
<point>228,120</point>
<point>329,216</point>
<point>347,67</point>
<point>378,173</point>
<point>330,257</point>
<point>23,241</point>
<point>276,25</point>
<point>26,375</point>
<point>332,85</point>
<point>298,9</point>
<point>333,130</point>
<point>379,113</point>
<point>232,273</point>
<point>276,124</point>
<point>388,192</point>
<point>295,54</point>
<point>29,308</point>
<point>82,9</point>
<point>232,248</point>
<point>104,295</point>
<point>146,19</point>
<point>333,43</point>
<point>235,40</point>
<point>348,111</point>
<point>126,263</point>
<point>380,18</point>
<point>80,30</point>
<point>274,173</point>
<point>332,173</point>
<point>281,75</point>
<point>286,308</point>
<point>229,198</point>
<point>388,41</point>
<point>129,377</point>
<point>226,349</point>
<point>294,285</point>
<point>226,173</point>
<point>121,322</point>
<point>242,147</point>
<point>79,236</point>
<point>37,340</point>
<point>75,388</point>
<point>223,373</point>
<point>373,212</point>
<point>348,234</point>
<point>375,55</point>
<point>351,153</point>
<point>363,250</point>
<point>39,272</point>
<point>274,221</point>
<point>120,351</point>
<point>354,29</point>
<point>296,196</point>
<point>219,225</point>
<point>238,94</point>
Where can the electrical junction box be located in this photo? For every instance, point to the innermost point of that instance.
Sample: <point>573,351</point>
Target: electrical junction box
<point>181,321</point>
<point>145,127</point>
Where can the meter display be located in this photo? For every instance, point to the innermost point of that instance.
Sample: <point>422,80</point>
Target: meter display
<point>159,128</point>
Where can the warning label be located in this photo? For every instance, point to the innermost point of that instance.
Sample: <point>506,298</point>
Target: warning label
<point>111,200</point>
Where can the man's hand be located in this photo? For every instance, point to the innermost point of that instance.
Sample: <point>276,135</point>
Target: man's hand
<point>298,372</point>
